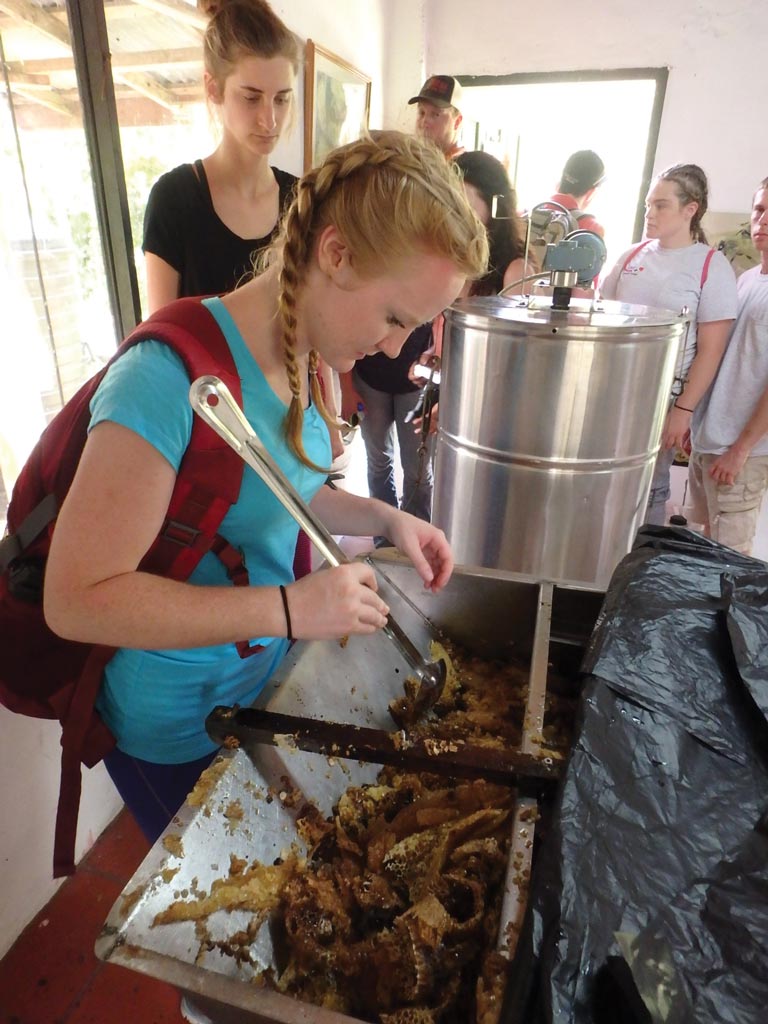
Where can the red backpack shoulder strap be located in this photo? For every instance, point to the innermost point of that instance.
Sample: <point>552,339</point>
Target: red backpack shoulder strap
<point>633,253</point>
<point>210,469</point>
<point>46,476</point>
<point>207,484</point>
<point>210,474</point>
<point>705,268</point>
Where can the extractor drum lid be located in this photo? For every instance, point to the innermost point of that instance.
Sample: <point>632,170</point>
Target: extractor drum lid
<point>538,312</point>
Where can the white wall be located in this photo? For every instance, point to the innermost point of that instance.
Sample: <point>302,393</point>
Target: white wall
<point>29,769</point>
<point>404,62</point>
<point>714,50</point>
<point>354,31</point>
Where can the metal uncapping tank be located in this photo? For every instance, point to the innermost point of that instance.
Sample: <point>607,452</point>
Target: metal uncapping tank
<point>550,423</point>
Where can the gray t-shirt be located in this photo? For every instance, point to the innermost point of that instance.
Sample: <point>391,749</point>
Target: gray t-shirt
<point>743,375</point>
<point>671,279</point>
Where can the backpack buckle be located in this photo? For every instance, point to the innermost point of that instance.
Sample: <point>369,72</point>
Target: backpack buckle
<point>25,580</point>
<point>179,533</point>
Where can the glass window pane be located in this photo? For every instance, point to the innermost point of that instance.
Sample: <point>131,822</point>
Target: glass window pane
<point>158,74</point>
<point>58,325</point>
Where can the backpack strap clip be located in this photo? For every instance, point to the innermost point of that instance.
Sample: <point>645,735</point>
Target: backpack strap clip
<point>180,533</point>
<point>15,544</point>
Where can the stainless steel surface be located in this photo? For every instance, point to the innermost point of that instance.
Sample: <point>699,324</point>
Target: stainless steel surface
<point>517,879</point>
<point>492,615</point>
<point>549,427</point>
<point>212,400</point>
<point>563,278</point>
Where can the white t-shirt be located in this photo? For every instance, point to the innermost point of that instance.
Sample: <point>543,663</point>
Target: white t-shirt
<point>671,279</point>
<point>743,376</point>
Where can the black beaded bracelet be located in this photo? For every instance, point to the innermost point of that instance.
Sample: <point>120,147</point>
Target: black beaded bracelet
<point>287,612</point>
<point>682,408</point>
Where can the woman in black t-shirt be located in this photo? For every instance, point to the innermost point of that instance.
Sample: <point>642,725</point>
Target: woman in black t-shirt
<point>205,222</point>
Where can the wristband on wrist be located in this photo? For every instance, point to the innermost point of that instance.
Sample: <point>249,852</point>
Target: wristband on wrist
<point>286,609</point>
<point>683,408</point>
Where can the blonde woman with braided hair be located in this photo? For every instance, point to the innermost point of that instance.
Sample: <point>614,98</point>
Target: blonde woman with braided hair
<point>379,239</point>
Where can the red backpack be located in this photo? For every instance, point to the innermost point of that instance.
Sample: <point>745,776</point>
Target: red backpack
<point>45,676</point>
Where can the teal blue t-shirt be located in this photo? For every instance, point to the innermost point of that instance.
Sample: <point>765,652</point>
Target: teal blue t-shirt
<point>155,702</point>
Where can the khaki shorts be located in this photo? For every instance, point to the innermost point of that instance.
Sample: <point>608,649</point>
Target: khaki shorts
<point>729,512</point>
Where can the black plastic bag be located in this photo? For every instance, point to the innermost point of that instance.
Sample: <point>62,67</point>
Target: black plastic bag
<point>705,956</point>
<point>665,785</point>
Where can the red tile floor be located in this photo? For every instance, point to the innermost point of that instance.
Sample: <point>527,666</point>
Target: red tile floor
<point>51,975</point>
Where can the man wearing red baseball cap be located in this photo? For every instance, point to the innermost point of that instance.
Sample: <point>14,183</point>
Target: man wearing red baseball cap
<point>439,113</point>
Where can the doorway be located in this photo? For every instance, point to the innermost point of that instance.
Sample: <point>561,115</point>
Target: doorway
<point>533,122</point>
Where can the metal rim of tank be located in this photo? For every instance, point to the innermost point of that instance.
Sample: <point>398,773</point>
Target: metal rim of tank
<point>588,316</point>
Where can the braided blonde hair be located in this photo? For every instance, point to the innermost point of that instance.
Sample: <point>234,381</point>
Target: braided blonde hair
<point>388,196</point>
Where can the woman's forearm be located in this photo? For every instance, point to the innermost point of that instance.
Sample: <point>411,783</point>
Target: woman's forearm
<point>351,515</point>
<point>150,612</point>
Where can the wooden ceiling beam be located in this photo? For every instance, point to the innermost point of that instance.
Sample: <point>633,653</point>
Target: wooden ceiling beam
<point>177,97</point>
<point>31,81</point>
<point>133,111</point>
<point>146,60</point>
<point>147,86</point>
<point>42,20</point>
<point>50,100</point>
<point>178,11</point>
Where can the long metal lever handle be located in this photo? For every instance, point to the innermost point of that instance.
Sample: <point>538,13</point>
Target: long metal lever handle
<point>212,400</point>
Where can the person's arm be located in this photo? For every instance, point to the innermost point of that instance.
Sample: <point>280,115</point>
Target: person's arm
<point>711,341</point>
<point>94,592</point>
<point>425,545</point>
<point>163,282</point>
<point>727,466</point>
<point>168,213</point>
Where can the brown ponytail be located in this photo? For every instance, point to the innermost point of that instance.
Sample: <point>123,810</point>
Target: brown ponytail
<point>243,28</point>
<point>691,187</point>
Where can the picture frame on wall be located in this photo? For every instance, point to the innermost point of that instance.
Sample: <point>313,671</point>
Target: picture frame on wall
<point>337,103</point>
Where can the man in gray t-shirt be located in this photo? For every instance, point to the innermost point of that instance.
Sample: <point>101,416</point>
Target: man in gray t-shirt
<point>729,464</point>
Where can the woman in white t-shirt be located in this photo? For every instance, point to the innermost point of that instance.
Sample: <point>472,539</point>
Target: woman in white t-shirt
<point>672,268</point>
